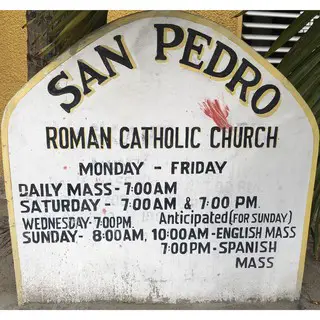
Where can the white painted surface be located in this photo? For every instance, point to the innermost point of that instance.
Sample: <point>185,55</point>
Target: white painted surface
<point>162,95</point>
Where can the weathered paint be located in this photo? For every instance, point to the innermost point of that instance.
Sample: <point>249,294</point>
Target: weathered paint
<point>159,94</point>
<point>13,47</point>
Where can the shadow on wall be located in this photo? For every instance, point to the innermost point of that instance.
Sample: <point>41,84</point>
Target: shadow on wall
<point>13,63</point>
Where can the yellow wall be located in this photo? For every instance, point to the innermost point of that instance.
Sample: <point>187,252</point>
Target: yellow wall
<point>222,17</point>
<point>13,57</point>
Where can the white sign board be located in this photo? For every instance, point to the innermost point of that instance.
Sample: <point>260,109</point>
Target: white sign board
<point>159,160</point>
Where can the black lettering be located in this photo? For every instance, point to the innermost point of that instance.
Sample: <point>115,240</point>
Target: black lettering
<point>238,78</point>
<point>259,93</point>
<point>190,46</point>
<point>107,54</point>
<point>85,69</point>
<point>122,144</point>
<point>53,90</point>
<point>217,54</point>
<point>162,44</point>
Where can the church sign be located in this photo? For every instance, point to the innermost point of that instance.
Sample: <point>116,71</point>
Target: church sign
<point>161,159</point>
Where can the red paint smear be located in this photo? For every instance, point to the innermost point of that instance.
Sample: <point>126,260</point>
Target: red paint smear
<point>217,111</point>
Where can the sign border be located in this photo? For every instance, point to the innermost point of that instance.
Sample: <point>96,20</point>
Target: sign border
<point>95,36</point>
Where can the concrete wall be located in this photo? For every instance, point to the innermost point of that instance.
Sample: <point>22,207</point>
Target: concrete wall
<point>13,57</point>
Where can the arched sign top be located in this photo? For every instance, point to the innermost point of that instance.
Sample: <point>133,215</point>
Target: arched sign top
<point>161,134</point>
<point>181,38</point>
